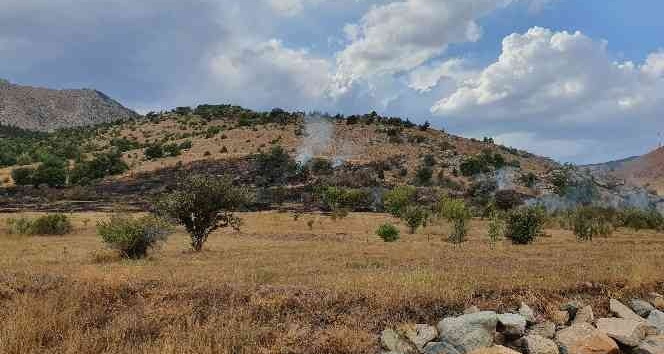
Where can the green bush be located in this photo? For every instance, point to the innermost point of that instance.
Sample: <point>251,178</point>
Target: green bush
<point>154,151</point>
<point>52,172</point>
<point>398,199</point>
<point>525,224</point>
<point>22,176</point>
<point>53,224</point>
<point>414,216</point>
<point>102,165</point>
<point>388,232</point>
<point>19,226</point>
<point>204,204</point>
<point>457,213</point>
<point>423,176</point>
<point>590,222</point>
<point>132,238</point>
<point>639,219</point>
<point>496,229</point>
<point>334,198</point>
<point>274,167</point>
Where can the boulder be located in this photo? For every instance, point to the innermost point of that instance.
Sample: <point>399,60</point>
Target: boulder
<point>560,318</point>
<point>469,332</point>
<point>582,338</point>
<point>511,324</point>
<point>584,315</point>
<point>535,344</point>
<point>627,332</point>
<point>656,318</point>
<point>439,348</point>
<point>642,308</point>
<point>395,343</point>
<point>544,329</point>
<point>528,313</point>
<point>472,309</point>
<point>651,345</point>
<point>656,300</point>
<point>623,311</point>
<point>496,349</point>
<point>421,334</point>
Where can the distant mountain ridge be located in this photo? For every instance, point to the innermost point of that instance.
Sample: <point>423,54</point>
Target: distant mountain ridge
<point>43,109</point>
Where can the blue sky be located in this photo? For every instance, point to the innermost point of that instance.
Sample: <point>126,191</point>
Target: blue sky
<point>579,81</point>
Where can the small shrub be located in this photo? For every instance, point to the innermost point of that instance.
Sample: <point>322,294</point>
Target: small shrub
<point>132,238</point>
<point>19,226</point>
<point>590,222</point>
<point>414,216</point>
<point>54,224</point>
<point>525,224</point>
<point>310,224</point>
<point>398,199</point>
<point>423,176</point>
<point>388,232</point>
<point>22,176</point>
<point>154,151</point>
<point>456,212</point>
<point>496,230</point>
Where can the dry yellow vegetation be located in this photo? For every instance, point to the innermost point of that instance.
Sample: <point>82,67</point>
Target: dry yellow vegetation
<point>281,287</point>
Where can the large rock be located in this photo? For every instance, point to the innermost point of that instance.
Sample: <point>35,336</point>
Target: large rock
<point>472,309</point>
<point>651,345</point>
<point>582,338</point>
<point>511,324</point>
<point>421,334</point>
<point>544,329</point>
<point>496,349</point>
<point>584,315</point>
<point>535,344</point>
<point>656,300</point>
<point>560,318</point>
<point>627,332</point>
<point>656,318</point>
<point>439,348</point>
<point>395,343</point>
<point>528,313</point>
<point>468,332</point>
<point>623,311</point>
<point>642,308</point>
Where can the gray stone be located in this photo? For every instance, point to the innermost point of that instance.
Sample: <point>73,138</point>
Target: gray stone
<point>421,334</point>
<point>496,349</point>
<point>623,311</point>
<point>583,338</point>
<point>651,345</point>
<point>469,332</point>
<point>535,344</point>
<point>656,300</point>
<point>439,348</point>
<point>584,315</point>
<point>544,329</point>
<point>528,313</point>
<point>394,342</point>
<point>627,332</point>
<point>511,324</point>
<point>642,308</point>
<point>656,318</point>
<point>472,309</point>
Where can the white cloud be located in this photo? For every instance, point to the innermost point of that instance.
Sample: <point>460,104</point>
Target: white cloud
<point>543,146</point>
<point>426,77</point>
<point>568,77</point>
<point>400,36</point>
<point>271,72</point>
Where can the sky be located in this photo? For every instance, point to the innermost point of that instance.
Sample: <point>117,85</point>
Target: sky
<point>578,81</point>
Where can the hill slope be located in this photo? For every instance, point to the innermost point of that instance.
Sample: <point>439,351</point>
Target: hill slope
<point>647,170</point>
<point>44,109</point>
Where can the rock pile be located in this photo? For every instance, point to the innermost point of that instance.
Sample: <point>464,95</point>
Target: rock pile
<point>637,328</point>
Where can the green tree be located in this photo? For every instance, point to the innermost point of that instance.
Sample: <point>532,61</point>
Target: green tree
<point>414,216</point>
<point>525,224</point>
<point>204,204</point>
<point>398,199</point>
<point>456,212</point>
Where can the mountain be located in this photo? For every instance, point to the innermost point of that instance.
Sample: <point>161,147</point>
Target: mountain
<point>647,170</point>
<point>43,109</point>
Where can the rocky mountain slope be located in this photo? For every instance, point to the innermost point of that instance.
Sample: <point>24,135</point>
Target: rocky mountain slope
<point>47,110</point>
<point>647,170</point>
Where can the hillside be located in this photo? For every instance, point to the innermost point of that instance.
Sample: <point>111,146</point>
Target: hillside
<point>647,170</point>
<point>44,109</point>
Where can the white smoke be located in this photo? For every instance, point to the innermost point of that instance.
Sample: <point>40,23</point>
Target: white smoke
<point>320,140</point>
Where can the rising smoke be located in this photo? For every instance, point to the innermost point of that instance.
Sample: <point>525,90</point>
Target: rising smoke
<point>320,140</point>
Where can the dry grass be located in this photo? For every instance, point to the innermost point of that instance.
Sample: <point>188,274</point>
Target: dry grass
<point>279,287</point>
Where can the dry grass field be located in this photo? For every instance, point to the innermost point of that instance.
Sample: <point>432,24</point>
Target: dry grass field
<point>281,287</point>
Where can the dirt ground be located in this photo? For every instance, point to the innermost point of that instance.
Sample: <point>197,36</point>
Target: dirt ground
<point>280,286</point>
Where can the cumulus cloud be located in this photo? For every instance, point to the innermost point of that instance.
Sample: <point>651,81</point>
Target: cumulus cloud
<point>426,77</point>
<point>547,75</point>
<point>400,36</point>
<point>271,72</point>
